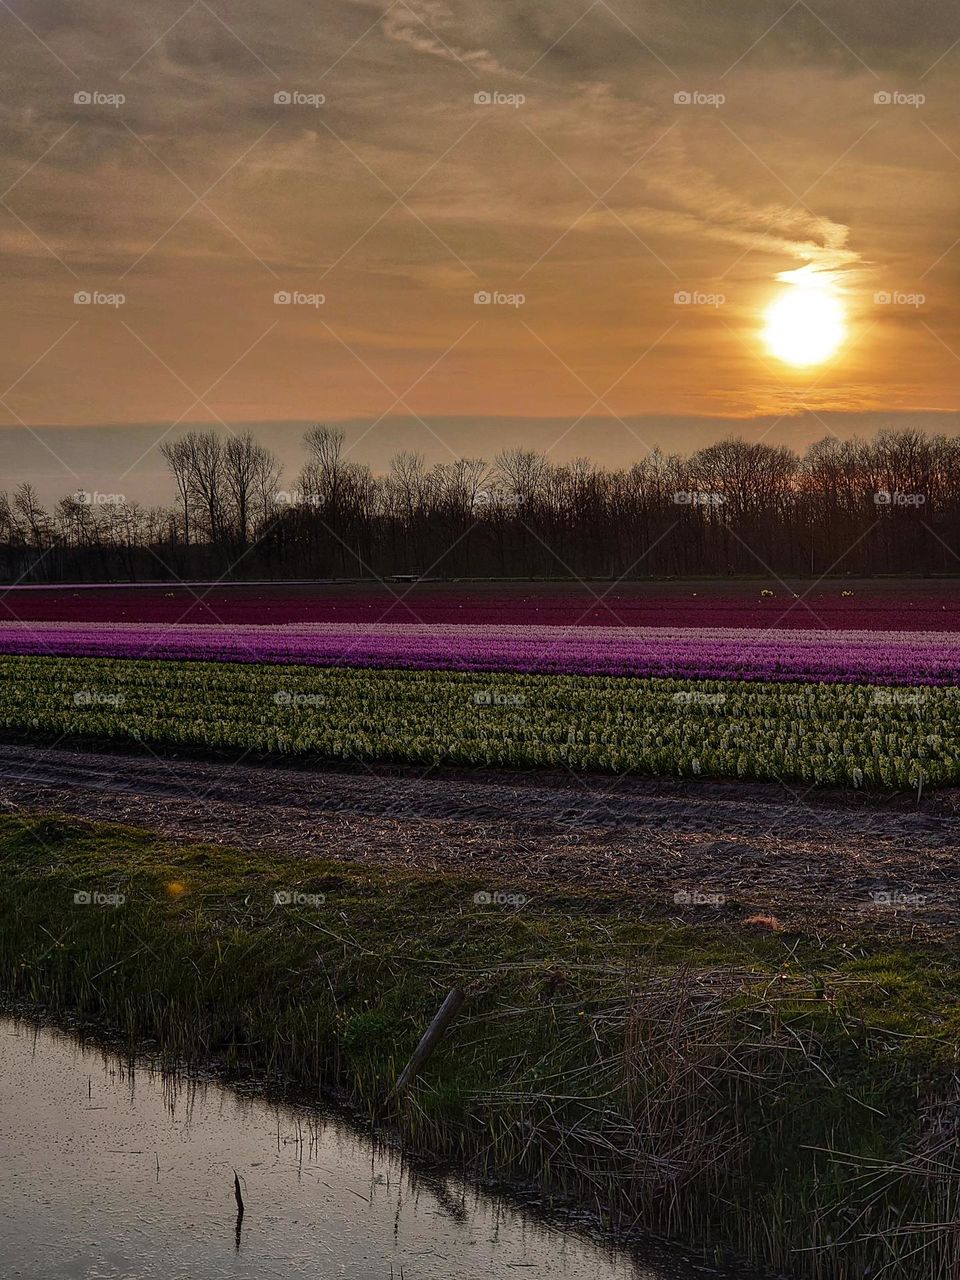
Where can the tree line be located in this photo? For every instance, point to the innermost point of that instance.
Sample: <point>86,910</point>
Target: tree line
<point>890,504</point>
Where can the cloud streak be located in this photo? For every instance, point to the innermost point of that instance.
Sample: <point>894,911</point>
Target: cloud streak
<point>597,199</point>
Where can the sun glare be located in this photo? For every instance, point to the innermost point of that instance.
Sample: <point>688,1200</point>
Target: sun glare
<point>805,325</point>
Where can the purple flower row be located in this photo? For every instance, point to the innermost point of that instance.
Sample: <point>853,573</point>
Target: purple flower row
<point>694,653</point>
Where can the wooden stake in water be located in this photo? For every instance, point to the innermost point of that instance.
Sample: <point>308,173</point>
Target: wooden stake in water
<point>239,1198</point>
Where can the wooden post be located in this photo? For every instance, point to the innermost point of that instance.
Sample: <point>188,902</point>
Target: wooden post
<point>430,1038</point>
<point>238,1231</point>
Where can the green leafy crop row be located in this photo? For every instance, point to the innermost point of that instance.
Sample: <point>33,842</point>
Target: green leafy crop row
<point>829,734</point>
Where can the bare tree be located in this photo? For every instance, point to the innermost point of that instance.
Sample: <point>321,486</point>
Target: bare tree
<point>250,477</point>
<point>887,505</point>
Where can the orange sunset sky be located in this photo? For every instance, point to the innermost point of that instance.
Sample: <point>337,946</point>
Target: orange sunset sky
<point>621,156</point>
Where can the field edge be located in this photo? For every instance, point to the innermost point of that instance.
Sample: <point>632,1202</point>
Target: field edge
<point>201,960</point>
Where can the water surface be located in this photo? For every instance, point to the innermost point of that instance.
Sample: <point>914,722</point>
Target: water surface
<point>109,1173</point>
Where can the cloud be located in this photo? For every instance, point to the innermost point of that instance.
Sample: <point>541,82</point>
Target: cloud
<point>708,191</point>
<point>615,40</point>
<point>418,25</point>
<point>696,203</point>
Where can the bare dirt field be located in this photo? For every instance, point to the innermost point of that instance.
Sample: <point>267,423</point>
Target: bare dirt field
<point>815,860</point>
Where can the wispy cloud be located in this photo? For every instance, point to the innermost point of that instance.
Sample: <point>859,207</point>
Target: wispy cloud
<point>429,27</point>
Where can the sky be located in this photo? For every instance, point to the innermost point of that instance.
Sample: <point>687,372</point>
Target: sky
<point>460,226</point>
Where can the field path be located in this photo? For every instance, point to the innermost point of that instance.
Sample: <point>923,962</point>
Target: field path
<point>813,860</point>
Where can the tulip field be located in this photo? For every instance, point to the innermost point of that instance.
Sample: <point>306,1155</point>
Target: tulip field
<point>869,698</point>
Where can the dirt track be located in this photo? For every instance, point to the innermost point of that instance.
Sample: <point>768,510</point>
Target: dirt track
<point>812,860</point>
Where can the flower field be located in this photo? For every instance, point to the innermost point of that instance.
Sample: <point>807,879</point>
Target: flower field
<point>860,606</point>
<point>669,652</point>
<point>842,685</point>
<point>817,733</point>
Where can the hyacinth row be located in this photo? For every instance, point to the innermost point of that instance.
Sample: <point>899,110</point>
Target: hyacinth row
<point>816,733</point>
<point>896,657</point>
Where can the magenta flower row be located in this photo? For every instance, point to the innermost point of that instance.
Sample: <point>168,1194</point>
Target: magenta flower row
<point>695,653</point>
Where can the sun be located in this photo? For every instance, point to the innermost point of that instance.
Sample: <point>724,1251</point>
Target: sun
<point>806,324</point>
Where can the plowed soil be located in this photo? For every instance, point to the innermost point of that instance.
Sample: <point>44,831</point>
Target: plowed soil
<point>816,861</point>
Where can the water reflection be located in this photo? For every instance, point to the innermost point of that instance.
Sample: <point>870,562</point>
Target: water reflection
<point>110,1173</point>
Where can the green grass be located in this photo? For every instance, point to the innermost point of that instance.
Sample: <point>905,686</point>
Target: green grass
<point>700,1081</point>
<point>827,734</point>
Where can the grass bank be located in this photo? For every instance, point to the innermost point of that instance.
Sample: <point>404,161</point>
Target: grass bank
<point>792,1099</point>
